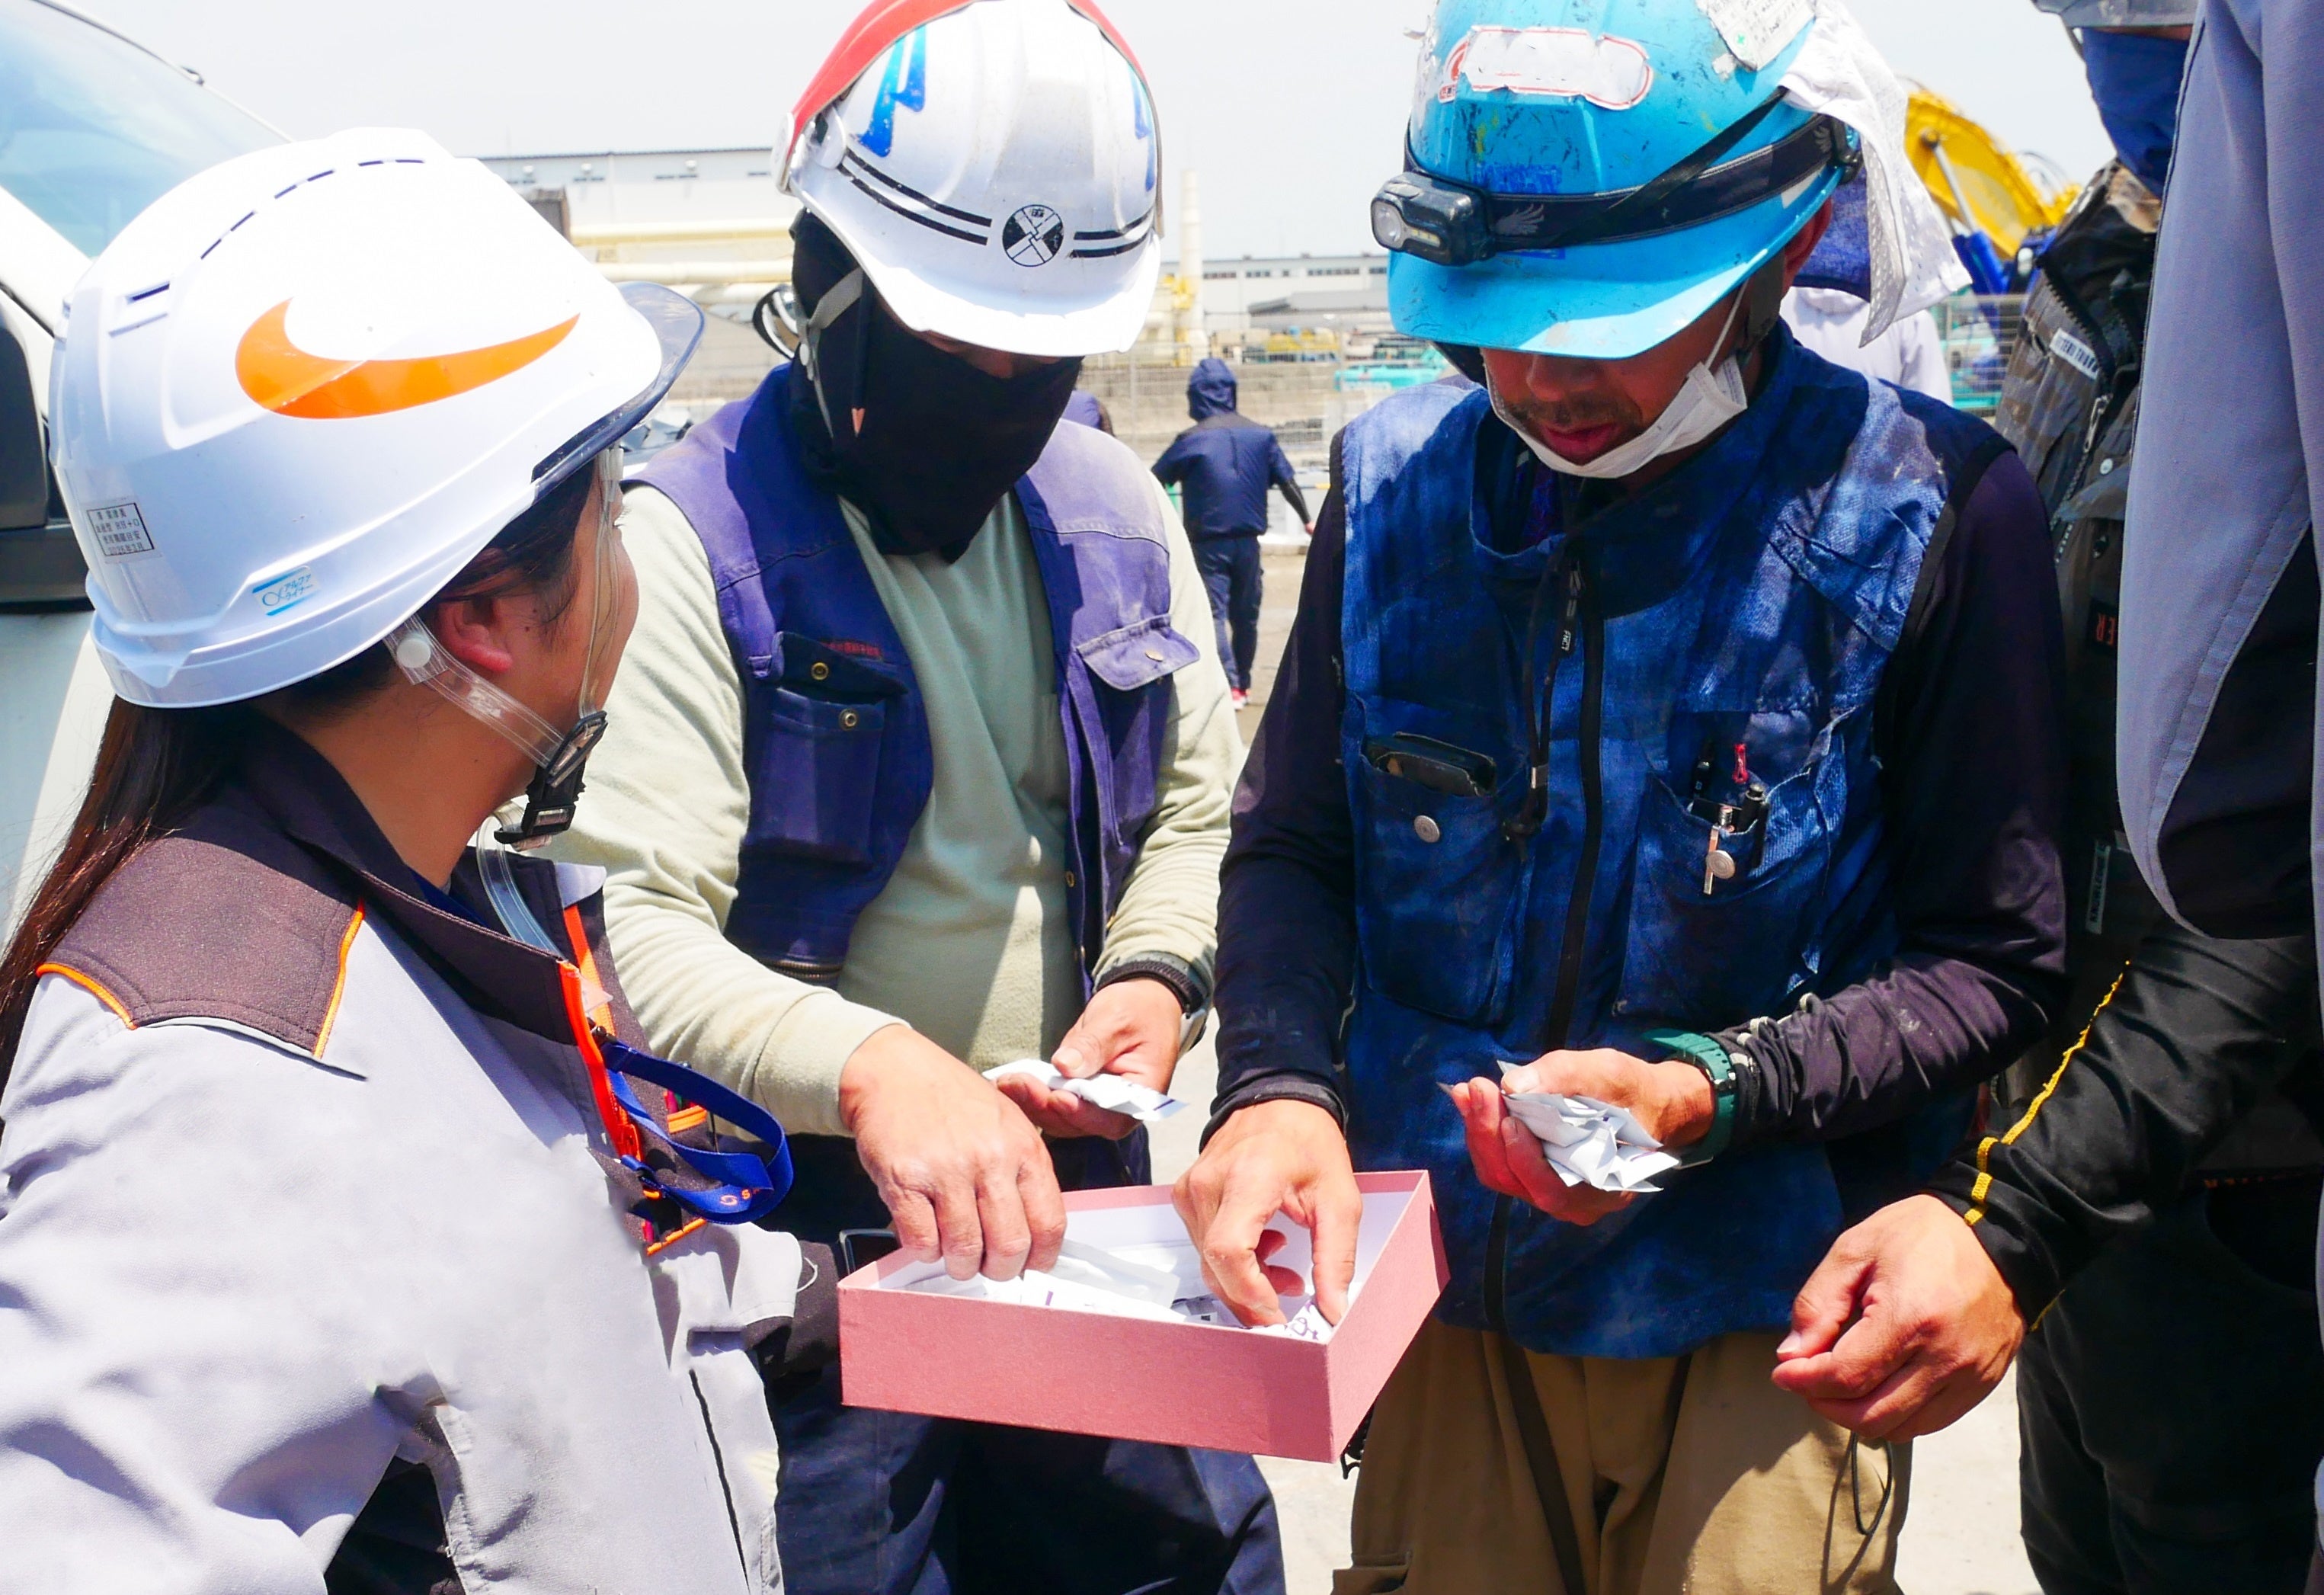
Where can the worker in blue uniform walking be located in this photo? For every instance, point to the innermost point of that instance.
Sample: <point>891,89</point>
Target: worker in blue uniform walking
<point>1223,464</point>
<point>1672,721</point>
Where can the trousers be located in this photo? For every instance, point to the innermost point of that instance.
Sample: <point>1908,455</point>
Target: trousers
<point>1688,1473</point>
<point>883,1503</point>
<point>1233,574</point>
<point>2171,1408</point>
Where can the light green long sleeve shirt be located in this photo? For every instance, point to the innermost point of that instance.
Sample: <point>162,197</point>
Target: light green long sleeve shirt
<point>970,942</point>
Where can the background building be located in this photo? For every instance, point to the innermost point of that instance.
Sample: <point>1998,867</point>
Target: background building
<point>1311,333</point>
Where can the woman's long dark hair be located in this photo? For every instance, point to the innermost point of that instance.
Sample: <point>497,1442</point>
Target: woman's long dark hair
<point>155,767</point>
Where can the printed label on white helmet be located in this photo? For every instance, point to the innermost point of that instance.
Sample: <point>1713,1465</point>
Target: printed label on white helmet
<point>1759,30</point>
<point>1035,236</point>
<point>291,588</point>
<point>2075,352</point>
<point>120,529</point>
<point>1566,63</point>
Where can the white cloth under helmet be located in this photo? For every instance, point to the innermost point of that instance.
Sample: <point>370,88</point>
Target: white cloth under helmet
<point>996,173</point>
<point>1842,74</point>
<point>305,387</point>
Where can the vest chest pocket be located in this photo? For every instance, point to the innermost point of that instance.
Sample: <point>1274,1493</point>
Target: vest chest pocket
<point>1437,884</point>
<point>815,758</point>
<point>1703,961</point>
<point>1132,673</point>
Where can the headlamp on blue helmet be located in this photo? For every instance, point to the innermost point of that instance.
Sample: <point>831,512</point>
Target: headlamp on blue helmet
<point>1444,223</point>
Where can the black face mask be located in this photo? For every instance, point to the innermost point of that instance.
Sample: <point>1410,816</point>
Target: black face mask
<point>923,442</point>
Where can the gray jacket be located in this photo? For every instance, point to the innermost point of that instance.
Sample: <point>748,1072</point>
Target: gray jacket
<point>2230,457</point>
<point>304,1180</point>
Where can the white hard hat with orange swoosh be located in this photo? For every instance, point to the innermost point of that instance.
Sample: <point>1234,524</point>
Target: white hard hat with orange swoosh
<point>303,389</point>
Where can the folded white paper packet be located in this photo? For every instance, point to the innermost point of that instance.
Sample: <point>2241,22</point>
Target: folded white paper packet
<point>1110,1092</point>
<point>1589,1143</point>
<point>1151,1282</point>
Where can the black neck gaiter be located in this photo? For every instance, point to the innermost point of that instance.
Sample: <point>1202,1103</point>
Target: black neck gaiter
<point>921,441</point>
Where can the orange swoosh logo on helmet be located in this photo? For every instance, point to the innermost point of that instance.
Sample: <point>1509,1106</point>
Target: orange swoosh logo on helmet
<point>280,376</point>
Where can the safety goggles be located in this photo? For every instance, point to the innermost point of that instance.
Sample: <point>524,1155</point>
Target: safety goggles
<point>721,1184</point>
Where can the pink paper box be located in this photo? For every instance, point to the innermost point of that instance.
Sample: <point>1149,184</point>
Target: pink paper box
<point>1178,1384</point>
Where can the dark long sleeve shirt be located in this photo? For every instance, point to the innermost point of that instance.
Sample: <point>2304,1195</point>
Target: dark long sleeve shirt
<point>2191,1045</point>
<point>1970,734</point>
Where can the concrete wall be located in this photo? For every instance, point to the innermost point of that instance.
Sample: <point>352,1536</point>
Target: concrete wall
<point>729,363</point>
<point>1147,401</point>
<point>1303,401</point>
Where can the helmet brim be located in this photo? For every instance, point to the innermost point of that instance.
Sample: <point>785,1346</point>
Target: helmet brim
<point>677,322</point>
<point>1597,301</point>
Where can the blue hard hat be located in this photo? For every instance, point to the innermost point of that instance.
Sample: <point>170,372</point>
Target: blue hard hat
<point>1588,176</point>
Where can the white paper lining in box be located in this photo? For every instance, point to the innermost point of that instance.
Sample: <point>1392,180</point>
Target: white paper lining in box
<point>1152,1240</point>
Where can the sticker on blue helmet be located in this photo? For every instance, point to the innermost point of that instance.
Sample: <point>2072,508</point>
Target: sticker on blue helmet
<point>1566,63</point>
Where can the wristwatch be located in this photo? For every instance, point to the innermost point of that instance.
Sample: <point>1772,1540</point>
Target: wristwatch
<point>1193,992</point>
<point>1717,1066</point>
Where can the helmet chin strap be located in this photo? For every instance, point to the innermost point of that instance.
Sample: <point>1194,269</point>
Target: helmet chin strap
<point>1763,306</point>
<point>837,301</point>
<point>559,758</point>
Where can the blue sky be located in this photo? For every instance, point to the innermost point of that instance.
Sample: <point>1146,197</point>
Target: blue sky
<point>1292,110</point>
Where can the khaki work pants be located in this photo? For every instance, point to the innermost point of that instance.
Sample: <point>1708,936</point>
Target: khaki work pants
<point>1689,1474</point>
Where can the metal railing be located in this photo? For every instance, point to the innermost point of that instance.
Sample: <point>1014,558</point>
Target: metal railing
<point>598,234</point>
<point>1978,330</point>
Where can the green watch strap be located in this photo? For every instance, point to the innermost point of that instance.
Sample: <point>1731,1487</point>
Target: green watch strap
<point>1690,1047</point>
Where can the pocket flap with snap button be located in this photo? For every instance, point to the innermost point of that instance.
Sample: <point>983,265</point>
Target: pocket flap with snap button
<point>1138,655</point>
<point>833,671</point>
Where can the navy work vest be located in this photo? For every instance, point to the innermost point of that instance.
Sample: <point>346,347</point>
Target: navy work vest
<point>1751,597</point>
<point>836,733</point>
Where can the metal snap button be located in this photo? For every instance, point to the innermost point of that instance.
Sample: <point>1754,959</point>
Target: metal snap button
<point>1427,829</point>
<point>1154,654</point>
<point>2106,468</point>
<point>1069,880</point>
<point>849,719</point>
<point>819,670</point>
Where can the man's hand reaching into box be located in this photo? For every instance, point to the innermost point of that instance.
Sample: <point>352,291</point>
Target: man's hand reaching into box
<point>964,1175</point>
<point>1273,1158</point>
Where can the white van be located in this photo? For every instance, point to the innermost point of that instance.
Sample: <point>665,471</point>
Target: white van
<point>93,128</point>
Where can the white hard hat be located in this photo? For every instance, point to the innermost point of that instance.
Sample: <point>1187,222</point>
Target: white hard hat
<point>994,167</point>
<point>305,387</point>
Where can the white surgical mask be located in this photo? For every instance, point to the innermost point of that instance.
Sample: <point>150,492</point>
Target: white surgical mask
<point>1708,402</point>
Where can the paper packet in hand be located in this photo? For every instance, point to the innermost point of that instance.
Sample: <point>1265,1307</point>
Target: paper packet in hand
<point>1110,1093</point>
<point>1589,1143</point>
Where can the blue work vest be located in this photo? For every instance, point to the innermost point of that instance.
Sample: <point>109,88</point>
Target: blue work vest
<point>1752,597</point>
<point>835,733</point>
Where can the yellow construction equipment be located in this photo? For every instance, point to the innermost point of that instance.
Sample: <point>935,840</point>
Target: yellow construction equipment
<point>1978,180</point>
<point>1306,343</point>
